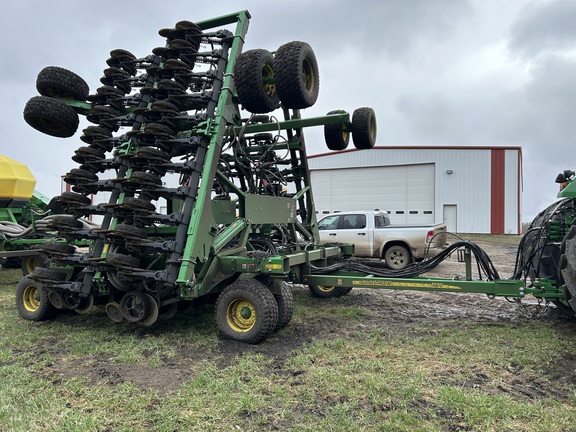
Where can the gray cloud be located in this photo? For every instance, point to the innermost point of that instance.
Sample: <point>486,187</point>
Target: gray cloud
<point>543,27</point>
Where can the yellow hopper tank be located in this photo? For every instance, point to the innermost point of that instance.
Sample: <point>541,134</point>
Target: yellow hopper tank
<point>16,180</point>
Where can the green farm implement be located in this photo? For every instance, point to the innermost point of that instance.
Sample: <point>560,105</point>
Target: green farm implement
<point>199,151</point>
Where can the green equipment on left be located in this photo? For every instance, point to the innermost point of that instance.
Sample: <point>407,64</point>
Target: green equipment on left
<point>25,216</point>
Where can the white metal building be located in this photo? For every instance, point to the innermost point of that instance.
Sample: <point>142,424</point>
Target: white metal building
<point>470,189</point>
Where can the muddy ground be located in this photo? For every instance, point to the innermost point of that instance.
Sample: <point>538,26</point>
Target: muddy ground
<point>400,312</point>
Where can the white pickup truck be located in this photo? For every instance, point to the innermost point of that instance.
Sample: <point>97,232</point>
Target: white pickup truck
<point>374,236</point>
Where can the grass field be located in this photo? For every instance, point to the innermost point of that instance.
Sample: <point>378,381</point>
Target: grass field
<point>337,367</point>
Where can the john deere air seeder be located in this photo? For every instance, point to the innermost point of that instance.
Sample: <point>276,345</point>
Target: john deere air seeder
<point>195,163</point>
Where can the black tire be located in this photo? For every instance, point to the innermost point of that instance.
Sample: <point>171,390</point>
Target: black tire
<point>297,77</point>
<point>101,114</point>
<point>65,223</point>
<point>73,198</point>
<point>130,231</point>
<point>364,128</point>
<point>92,133</point>
<point>48,274</point>
<point>121,58</point>
<point>78,175</point>
<point>285,302</point>
<point>145,179</point>
<point>322,291</point>
<point>54,81</point>
<point>57,248</point>
<point>336,136</point>
<point>567,271</point>
<point>254,78</point>
<point>153,154</point>
<point>32,301</point>
<point>159,129</point>
<point>51,117</point>
<point>30,262</point>
<point>138,205</point>
<point>246,311</point>
<point>397,257</point>
<point>122,261</point>
<point>88,154</point>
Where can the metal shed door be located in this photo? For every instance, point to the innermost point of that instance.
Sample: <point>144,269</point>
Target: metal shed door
<point>405,191</point>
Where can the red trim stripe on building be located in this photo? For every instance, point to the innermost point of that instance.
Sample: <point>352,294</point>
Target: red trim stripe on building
<point>497,191</point>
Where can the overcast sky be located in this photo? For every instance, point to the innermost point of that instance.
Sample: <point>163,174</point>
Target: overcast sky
<point>437,72</point>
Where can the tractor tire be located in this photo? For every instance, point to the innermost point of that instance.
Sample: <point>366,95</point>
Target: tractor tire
<point>146,179</point>
<point>152,154</point>
<point>138,205</point>
<point>285,302</point>
<point>254,78</point>
<point>51,117</point>
<point>364,128</point>
<point>76,199</point>
<point>32,301</point>
<point>78,175</point>
<point>65,223</point>
<point>568,270</point>
<point>92,133</point>
<point>57,248</point>
<point>397,257</point>
<point>296,73</point>
<point>130,232</point>
<point>57,82</point>
<point>48,274</point>
<point>321,291</point>
<point>88,154</point>
<point>246,311</point>
<point>122,261</point>
<point>159,129</point>
<point>30,262</point>
<point>336,136</point>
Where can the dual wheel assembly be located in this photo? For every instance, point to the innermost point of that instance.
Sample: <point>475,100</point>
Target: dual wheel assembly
<point>290,78</point>
<point>249,311</point>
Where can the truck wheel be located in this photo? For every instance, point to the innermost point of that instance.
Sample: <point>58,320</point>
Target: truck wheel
<point>336,136</point>
<point>32,301</point>
<point>364,128</point>
<point>285,302</point>
<point>51,117</point>
<point>254,78</point>
<point>322,291</point>
<point>297,78</point>
<point>53,81</point>
<point>397,257</point>
<point>246,311</point>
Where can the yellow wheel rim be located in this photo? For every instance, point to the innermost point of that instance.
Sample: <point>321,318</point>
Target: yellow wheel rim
<point>325,289</point>
<point>31,263</point>
<point>268,80</point>
<point>31,298</point>
<point>372,130</point>
<point>309,77</point>
<point>241,315</point>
